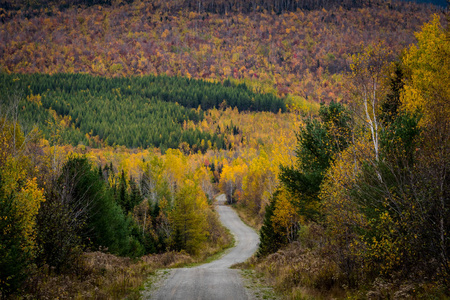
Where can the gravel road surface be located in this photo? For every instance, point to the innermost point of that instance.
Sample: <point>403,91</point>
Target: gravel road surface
<point>214,280</point>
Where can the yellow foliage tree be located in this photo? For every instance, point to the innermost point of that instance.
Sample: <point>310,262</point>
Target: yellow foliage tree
<point>427,91</point>
<point>27,198</point>
<point>367,82</point>
<point>231,178</point>
<point>259,183</point>
<point>20,199</point>
<point>285,219</point>
<point>189,218</point>
<point>175,169</point>
<point>428,63</point>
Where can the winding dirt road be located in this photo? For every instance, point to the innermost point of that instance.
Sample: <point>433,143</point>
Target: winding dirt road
<point>214,280</point>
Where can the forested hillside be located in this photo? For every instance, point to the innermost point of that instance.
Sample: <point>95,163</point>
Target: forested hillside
<point>442,3</point>
<point>302,53</point>
<point>134,111</point>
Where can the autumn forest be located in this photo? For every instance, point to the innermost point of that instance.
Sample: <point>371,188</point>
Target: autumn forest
<point>324,123</point>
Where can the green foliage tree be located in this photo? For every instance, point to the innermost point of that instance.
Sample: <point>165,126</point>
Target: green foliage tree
<point>13,258</point>
<point>59,232</point>
<point>123,200</point>
<point>106,223</point>
<point>390,106</point>
<point>270,240</point>
<point>318,143</point>
<point>384,194</point>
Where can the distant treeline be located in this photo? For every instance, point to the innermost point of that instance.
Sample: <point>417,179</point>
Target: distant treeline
<point>443,3</point>
<point>134,112</point>
<point>279,6</point>
<point>212,6</point>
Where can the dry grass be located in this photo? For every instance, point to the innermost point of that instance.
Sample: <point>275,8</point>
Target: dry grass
<point>302,270</point>
<point>301,273</point>
<point>101,276</point>
<point>251,220</point>
<point>307,269</point>
<point>105,276</point>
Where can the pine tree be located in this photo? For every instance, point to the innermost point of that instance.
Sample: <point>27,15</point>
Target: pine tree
<point>13,259</point>
<point>135,196</point>
<point>270,241</point>
<point>318,142</point>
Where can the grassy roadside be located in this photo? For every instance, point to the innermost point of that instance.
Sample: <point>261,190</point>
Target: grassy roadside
<point>303,270</point>
<point>276,276</point>
<point>209,257</point>
<point>247,218</point>
<point>99,275</point>
<point>258,286</point>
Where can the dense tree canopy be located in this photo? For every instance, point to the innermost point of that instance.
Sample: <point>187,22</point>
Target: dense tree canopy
<point>135,112</point>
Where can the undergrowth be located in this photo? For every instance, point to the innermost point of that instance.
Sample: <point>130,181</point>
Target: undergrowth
<point>307,269</point>
<point>100,275</point>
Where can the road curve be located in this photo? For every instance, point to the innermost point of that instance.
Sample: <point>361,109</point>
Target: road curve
<point>214,280</point>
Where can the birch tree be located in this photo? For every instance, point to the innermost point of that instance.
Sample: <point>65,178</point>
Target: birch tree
<point>367,83</point>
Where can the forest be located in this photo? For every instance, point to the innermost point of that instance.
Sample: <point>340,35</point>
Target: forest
<point>59,211</point>
<point>325,124</point>
<point>133,111</point>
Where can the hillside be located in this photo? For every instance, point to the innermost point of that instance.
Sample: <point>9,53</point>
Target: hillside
<point>134,112</point>
<point>302,53</point>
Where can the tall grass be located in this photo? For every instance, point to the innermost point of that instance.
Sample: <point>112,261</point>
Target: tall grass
<point>99,276</point>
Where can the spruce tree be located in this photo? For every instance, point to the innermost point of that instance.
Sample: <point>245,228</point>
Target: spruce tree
<point>270,241</point>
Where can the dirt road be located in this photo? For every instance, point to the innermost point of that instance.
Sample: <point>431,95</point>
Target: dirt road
<point>214,280</point>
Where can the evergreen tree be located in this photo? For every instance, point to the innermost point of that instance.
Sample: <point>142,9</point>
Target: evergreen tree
<point>59,229</point>
<point>270,241</point>
<point>135,196</point>
<point>391,104</point>
<point>106,224</point>
<point>123,195</point>
<point>13,259</point>
<point>318,142</point>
